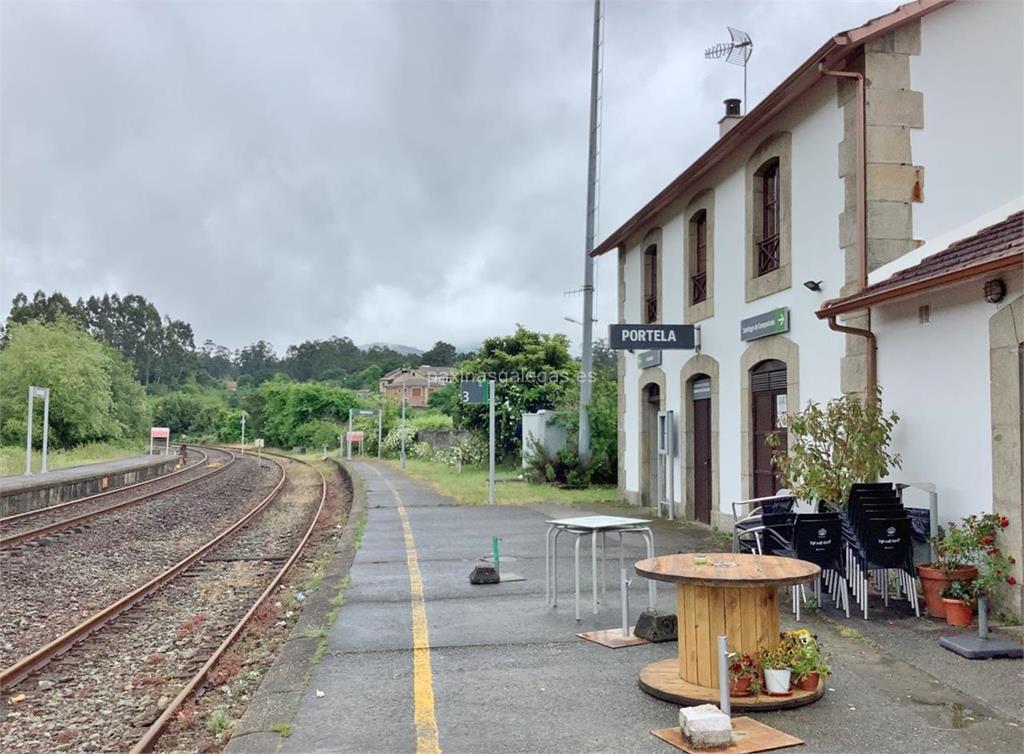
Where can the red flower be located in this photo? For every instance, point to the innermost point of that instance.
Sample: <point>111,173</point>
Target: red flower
<point>1004,522</point>
<point>1011,581</point>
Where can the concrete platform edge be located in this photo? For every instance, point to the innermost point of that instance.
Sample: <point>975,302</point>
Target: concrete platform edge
<point>277,699</point>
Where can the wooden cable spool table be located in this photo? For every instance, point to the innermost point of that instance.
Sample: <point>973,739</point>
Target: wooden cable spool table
<point>732,595</point>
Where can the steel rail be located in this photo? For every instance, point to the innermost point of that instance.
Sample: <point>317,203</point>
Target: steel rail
<point>25,536</point>
<point>155,730</point>
<point>39,511</point>
<point>20,670</point>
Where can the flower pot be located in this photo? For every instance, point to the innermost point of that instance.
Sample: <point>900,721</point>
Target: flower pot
<point>776,681</point>
<point>809,682</point>
<point>958,613</point>
<point>934,581</point>
<point>740,687</point>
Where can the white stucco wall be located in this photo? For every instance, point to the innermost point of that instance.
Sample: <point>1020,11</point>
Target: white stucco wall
<point>936,377</point>
<point>969,71</point>
<point>817,200</point>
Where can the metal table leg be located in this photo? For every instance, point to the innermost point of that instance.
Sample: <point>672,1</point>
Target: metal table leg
<point>593,566</point>
<point>554,568</point>
<point>547,566</point>
<point>577,573</point>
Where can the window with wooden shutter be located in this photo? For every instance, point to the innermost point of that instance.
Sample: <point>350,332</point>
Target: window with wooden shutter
<point>651,284</point>
<point>699,273</point>
<point>768,256</point>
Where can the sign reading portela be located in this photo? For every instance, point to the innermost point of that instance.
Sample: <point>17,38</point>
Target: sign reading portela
<point>770,323</point>
<point>665,337</point>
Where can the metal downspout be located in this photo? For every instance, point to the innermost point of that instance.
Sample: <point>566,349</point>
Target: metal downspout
<point>862,224</point>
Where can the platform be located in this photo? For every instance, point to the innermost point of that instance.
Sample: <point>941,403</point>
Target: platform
<point>22,493</point>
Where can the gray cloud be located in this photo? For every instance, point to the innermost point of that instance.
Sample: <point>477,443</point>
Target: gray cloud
<point>402,172</point>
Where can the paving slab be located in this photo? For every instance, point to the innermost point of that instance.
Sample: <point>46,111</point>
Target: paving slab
<point>509,674</point>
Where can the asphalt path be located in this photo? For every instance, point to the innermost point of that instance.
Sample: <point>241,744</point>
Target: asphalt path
<point>419,660</point>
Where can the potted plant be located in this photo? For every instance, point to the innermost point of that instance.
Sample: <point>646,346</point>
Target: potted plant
<point>958,602</point>
<point>994,568</point>
<point>744,675</point>
<point>960,549</point>
<point>809,666</point>
<point>777,666</point>
<point>831,447</point>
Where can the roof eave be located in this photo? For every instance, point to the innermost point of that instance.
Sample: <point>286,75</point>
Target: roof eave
<point>856,302</point>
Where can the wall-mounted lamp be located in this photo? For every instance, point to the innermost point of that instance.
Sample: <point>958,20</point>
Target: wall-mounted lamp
<point>995,290</point>
<point>813,285</point>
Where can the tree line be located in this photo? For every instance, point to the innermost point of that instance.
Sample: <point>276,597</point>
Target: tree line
<point>163,352</point>
<point>118,366</point>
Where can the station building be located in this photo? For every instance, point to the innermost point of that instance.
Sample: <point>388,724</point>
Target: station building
<point>862,224</point>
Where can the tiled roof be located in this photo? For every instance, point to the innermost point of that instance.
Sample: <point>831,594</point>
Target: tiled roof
<point>996,247</point>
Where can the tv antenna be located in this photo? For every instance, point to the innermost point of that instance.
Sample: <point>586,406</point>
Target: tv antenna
<point>737,52</point>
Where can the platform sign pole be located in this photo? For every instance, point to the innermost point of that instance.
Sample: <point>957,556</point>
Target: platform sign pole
<point>490,481</point>
<point>28,438</point>
<point>380,429</point>
<point>401,462</point>
<point>243,434</point>
<point>350,434</point>
<point>46,426</point>
<point>33,393</point>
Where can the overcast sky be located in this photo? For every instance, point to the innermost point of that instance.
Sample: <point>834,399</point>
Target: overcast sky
<point>402,172</point>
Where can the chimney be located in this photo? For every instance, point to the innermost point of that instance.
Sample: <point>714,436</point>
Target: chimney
<point>731,118</point>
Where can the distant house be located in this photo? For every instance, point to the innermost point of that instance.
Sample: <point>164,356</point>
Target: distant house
<point>417,382</point>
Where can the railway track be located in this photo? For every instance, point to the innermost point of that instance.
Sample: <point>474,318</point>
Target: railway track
<point>116,680</point>
<point>25,527</point>
<point>49,587</point>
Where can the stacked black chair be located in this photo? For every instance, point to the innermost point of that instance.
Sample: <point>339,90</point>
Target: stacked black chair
<point>878,536</point>
<point>816,538</point>
<point>745,532</point>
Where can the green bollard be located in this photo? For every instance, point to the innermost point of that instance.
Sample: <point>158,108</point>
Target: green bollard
<point>496,555</point>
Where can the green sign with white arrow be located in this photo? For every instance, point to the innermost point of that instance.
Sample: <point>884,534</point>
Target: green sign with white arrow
<point>762,325</point>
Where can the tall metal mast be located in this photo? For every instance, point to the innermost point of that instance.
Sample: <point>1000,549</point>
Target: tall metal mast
<point>588,265</point>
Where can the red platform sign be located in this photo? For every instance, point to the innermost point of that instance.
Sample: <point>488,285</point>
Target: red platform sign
<point>159,433</point>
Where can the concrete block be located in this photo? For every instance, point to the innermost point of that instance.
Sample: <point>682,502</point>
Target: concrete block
<point>891,107</point>
<point>882,251</point>
<point>906,39</point>
<point>484,574</point>
<point>853,374</point>
<point>884,43</point>
<point>886,70</point>
<point>889,220</point>
<point>848,227</point>
<point>655,626</point>
<point>705,726</point>
<point>888,144</point>
<point>892,183</point>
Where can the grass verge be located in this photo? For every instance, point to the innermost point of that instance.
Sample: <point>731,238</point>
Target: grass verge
<point>12,459</point>
<point>470,486</point>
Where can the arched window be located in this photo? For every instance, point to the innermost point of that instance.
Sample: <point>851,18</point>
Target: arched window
<point>699,257</point>
<point>768,205</point>
<point>651,283</point>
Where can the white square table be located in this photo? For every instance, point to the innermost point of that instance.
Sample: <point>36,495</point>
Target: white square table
<point>591,526</point>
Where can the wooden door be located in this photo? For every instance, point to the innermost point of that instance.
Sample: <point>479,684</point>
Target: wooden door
<point>702,450</point>
<point>768,396</point>
<point>649,446</point>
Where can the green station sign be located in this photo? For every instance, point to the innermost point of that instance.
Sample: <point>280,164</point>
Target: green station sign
<point>762,325</point>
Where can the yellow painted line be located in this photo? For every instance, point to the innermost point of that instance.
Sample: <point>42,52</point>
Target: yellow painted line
<point>423,675</point>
